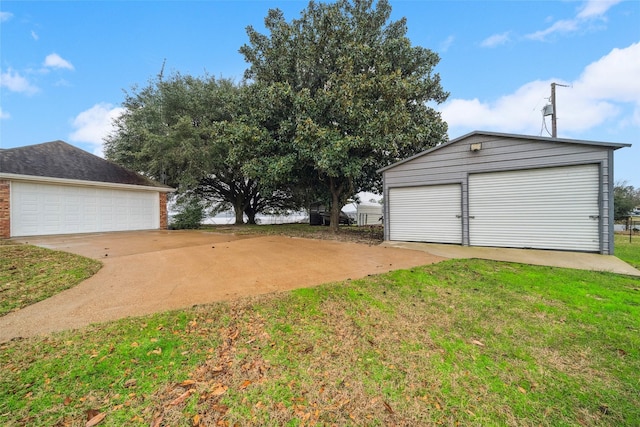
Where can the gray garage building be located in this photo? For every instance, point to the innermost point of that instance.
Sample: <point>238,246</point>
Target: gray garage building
<point>504,190</point>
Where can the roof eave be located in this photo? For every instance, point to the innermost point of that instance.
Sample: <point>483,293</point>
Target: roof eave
<point>612,145</point>
<point>66,181</point>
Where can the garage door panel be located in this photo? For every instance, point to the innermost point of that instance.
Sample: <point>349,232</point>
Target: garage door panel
<point>426,214</point>
<point>554,208</point>
<point>40,209</point>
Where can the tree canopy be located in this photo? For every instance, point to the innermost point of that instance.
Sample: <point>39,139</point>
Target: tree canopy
<point>329,98</point>
<point>352,93</point>
<point>195,134</point>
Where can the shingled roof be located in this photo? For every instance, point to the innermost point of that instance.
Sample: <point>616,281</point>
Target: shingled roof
<point>57,159</point>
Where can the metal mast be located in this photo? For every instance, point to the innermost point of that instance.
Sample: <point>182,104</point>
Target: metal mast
<point>554,115</point>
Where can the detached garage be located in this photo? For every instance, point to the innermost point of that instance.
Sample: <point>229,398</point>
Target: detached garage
<point>56,188</point>
<point>504,190</point>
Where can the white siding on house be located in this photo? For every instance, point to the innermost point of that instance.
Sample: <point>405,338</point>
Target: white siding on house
<point>550,208</point>
<point>44,209</point>
<point>426,214</point>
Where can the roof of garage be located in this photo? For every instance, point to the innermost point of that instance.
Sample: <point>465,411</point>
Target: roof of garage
<point>57,159</point>
<point>611,145</point>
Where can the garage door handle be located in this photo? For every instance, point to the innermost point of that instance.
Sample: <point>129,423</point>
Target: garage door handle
<point>594,216</point>
<point>472,217</point>
<point>458,216</point>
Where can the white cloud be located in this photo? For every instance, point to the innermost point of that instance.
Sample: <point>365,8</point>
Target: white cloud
<point>446,44</point>
<point>56,61</point>
<point>4,115</point>
<point>34,35</point>
<point>614,76</point>
<point>5,16</point>
<point>510,113</point>
<point>607,91</point>
<point>596,8</point>
<point>563,26</point>
<point>496,40</point>
<point>590,11</point>
<point>93,125</point>
<point>13,81</point>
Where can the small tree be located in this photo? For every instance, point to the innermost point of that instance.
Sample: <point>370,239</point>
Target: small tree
<point>191,212</point>
<point>625,199</point>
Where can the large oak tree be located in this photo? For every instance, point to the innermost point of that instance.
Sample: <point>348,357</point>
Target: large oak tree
<point>343,93</point>
<point>196,134</point>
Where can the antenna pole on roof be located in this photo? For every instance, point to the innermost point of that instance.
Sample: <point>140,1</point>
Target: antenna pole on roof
<point>554,114</point>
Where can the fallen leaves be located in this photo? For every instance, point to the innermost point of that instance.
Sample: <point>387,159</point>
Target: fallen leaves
<point>96,419</point>
<point>180,399</point>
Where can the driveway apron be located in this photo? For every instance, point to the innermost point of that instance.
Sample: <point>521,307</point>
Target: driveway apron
<point>148,272</point>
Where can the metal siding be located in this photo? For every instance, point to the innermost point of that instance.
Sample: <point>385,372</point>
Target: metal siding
<point>608,207</point>
<point>454,163</point>
<point>426,214</point>
<point>550,208</point>
<point>44,209</point>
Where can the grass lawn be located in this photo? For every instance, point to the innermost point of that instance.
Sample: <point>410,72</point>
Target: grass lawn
<point>29,274</point>
<point>368,234</point>
<point>627,249</point>
<point>457,343</point>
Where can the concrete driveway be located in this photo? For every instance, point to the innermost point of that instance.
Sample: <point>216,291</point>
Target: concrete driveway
<point>153,271</point>
<point>564,259</point>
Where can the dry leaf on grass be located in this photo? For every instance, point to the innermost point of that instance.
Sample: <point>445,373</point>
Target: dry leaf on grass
<point>178,400</point>
<point>219,390</point>
<point>157,421</point>
<point>187,383</point>
<point>95,420</point>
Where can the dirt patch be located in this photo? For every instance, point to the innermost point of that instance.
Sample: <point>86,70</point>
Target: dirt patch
<point>147,272</point>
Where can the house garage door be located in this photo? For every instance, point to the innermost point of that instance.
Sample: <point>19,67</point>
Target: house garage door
<point>554,208</point>
<point>426,214</point>
<point>40,209</point>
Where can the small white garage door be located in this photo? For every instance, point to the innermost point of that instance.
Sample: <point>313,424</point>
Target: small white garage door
<point>41,209</point>
<point>426,214</point>
<point>554,208</point>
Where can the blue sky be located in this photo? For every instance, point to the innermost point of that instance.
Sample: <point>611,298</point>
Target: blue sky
<point>65,64</point>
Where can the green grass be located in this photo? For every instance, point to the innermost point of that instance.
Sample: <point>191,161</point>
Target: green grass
<point>29,274</point>
<point>461,342</point>
<point>628,249</point>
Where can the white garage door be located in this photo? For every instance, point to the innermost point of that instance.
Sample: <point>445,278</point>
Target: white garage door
<point>554,208</point>
<point>40,209</point>
<point>426,214</point>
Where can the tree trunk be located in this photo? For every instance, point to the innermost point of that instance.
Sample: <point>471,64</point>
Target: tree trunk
<point>336,208</point>
<point>238,208</point>
<point>251,215</point>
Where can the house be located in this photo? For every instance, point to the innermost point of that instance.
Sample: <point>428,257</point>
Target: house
<point>504,190</point>
<point>56,188</point>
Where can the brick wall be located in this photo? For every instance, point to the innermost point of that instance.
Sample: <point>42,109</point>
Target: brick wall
<point>163,211</point>
<point>5,212</point>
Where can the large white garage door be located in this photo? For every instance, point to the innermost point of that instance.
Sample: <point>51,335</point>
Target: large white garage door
<point>426,214</point>
<point>40,209</point>
<point>554,208</point>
